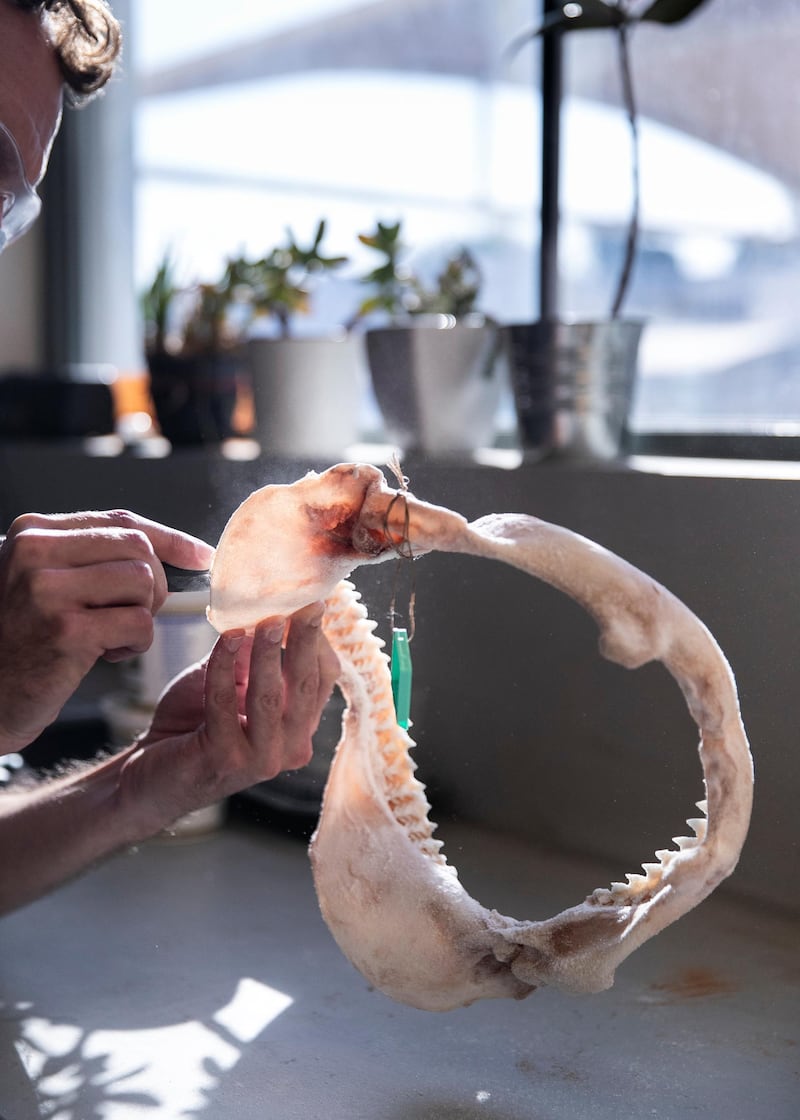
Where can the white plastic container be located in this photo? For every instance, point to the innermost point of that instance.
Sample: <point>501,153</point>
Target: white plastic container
<point>183,635</point>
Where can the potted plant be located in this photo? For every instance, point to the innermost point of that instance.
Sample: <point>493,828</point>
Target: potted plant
<point>193,355</point>
<point>432,357</point>
<point>573,379</point>
<point>306,389</point>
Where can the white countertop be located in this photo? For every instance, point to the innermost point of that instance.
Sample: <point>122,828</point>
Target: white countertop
<point>197,980</point>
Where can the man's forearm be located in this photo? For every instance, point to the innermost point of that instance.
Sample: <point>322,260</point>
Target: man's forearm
<point>53,831</point>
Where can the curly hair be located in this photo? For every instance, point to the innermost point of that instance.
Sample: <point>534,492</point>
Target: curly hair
<point>86,38</point>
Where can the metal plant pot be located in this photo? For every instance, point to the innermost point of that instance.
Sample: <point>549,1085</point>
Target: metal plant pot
<point>572,385</point>
<point>437,382</point>
<point>307,394</point>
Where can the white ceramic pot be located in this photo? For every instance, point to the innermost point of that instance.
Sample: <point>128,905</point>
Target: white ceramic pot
<point>307,394</point>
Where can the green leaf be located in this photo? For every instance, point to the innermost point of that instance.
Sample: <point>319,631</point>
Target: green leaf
<point>374,303</point>
<point>589,15</point>
<point>671,11</point>
<point>594,15</point>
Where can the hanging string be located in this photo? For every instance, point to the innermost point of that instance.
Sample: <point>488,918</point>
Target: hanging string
<point>402,547</point>
<point>632,236</point>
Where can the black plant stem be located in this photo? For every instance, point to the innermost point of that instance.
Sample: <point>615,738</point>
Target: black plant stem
<point>551,145</point>
<point>633,222</point>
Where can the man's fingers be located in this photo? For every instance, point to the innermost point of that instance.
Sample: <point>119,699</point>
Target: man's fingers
<point>301,662</point>
<point>85,538</point>
<point>242,670</point>
<point>36,549</point>
<point>172,545</point>
<point>221,702</point>
<point>329,670</point>
<point>113,632</point>
<point>285,691</point>
<point>264,701</point>
<point>177,548</point>
<point>304,685</point>
<point>44,546</point>
<point>109,584</point>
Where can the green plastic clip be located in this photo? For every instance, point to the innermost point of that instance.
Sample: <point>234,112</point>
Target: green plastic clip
<point>401,677</point>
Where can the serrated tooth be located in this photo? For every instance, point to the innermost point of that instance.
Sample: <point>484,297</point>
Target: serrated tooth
<point>619,888</point>
<point>703,805</point>
<point>603,896</point>
<point>664,855</point>
<point>700,826</point>
<point>652,870</point>
<point>635,880</point>
<point>685,842</point>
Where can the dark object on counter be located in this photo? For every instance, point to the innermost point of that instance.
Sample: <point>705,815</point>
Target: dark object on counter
<point>194,395</point>
<point>81,732</point>
<point>54,407</point>
<point>186,579</point>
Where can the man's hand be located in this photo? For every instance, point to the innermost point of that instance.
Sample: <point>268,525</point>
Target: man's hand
<point>73,588</point>
<point>242,716</point>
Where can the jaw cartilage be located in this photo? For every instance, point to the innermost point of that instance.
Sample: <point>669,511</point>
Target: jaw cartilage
<point>386,891</point>
<point>401,676</point>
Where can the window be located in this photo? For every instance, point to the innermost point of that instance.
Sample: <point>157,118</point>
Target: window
<point>340,110</point>
<point>718,267</point>
<point>276,115</point>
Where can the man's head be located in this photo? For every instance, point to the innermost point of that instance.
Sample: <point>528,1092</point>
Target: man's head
<point>86,39</point>
<point>46,47</point>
